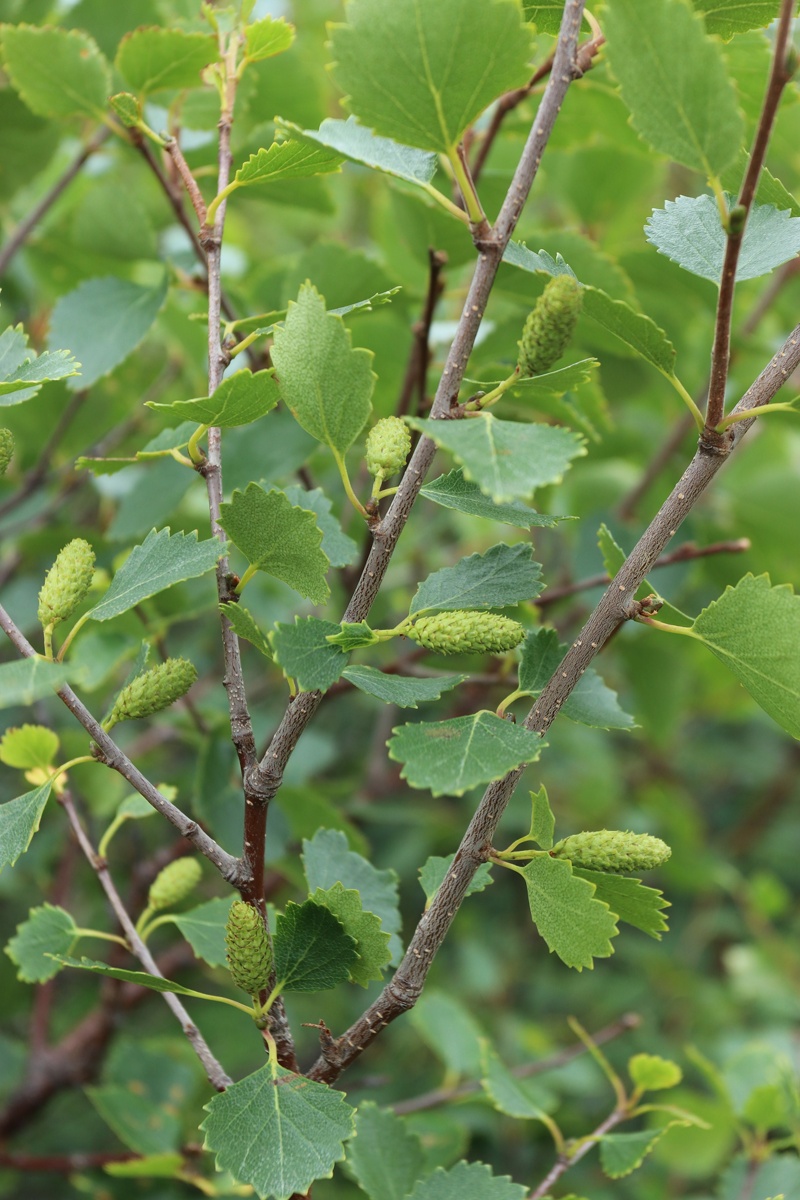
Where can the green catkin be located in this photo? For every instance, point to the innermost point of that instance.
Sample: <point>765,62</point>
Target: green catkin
<point>6,449</point>
<point>174,883</point>
<point>153,691</point>
<point>248,948</point>
<point>464,631</point>
<point>387,448</point>
<point>550,325</point>
<point>66,583</point>
<point>613,850</point>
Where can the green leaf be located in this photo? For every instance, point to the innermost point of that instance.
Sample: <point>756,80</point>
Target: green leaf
<point>754,629</point>
<point>136,1122</point>
<point>361,145</point>
<point>29,746</point>
<point>622,1153</point>
<point>552,383</point>
<point>22,371</point>
<point>328,859</point>
<point>454,491</point>
<point>449,757</point>
<point>523,1099</point>
<point>674,83</point>
<point>267,37</point>
<point>57,72</point>
<point>204,929</point>
<point>312,951</point>
<point>278,538</point>
<point>48,930</point>
<point>401,690</point>
<point>729,17</point>
<point>517,254</point>
<point>154,982</point>
<point>304,653</point>
<point>385,1157</point>
<point>30,679</point>
<point>103,321</point>
<point>467,1181</point>
<point>689,232</point>
<point>639,333</point>
<point>245,627</point>
<point>340,549</point>
<point>653,1073</point>
<point>278,1131</point>
<point>576,926</point>
<point>352,635</point>
<point>630,899</point>
<point>769,191</point>
<point>543,823</point>
<point>450,1030</point>
<point>779,1174</point>
<point>286,160</point>
<point>421,73</point>
<point>371,942</point>
<point>162,560</point>
<point>506,459</point>
<point>614,557</point>
<point>591,702</point>
<point>127,108</point>
<point>149,1166</point>
<point>155,60</point>
<point>502,576</point>
<point>240,399</point>
<point>323,380</point>
<point>433,871</point>
<point>136,808</point>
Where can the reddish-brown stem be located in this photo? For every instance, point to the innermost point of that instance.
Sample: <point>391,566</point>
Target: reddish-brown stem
<point>419,358</point>
<point>187,178</point>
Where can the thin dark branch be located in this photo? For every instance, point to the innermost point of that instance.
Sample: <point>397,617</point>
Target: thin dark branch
<point>419,358</point>
<point>64,1164</point>
<point>780,74</point>
<point>561,1058</point>
<point>187,178</point>
<point>213,1069</point>
<point>26,227</point>
<point>567,1160</point>
<point>685,553</point>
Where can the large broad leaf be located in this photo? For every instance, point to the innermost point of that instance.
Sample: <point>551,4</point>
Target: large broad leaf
<point>371,940</point>
<point>29,746</point>
<point>162,560</point>
<point>267,37</point>
<point>48,930</point>
<point>241,398</point>
<point>103,321</point>
<point>503,575</point>
<point>312,950</point>
<point>622,1153</point>
<point>304,653</point>
<point>328,859</point>
<point>136,1122</point>
<point>674,83</point>
<point>385,1157</point>
<point>754,629</point>
<point>286,160</point>
<point>450,1030</point>
<point>421,73</point>
<point>400,689</point>
<point>142,978</point>
<point>506,459</point>
<point>637,331</point>
<point>575,925</point>
<point>630,900</point>
<point>361,145</point>
<point>30,679</point>
<point>278,1131</point>
<point>729,17</point>
<point>433,871</point>
<point>454,491</point>
<point>523,1099</point>
<point>337,546</point>
<point>278,538</point>
<point>324,381</point>
<point>546,15</point>
<point>204,929</point>
<point>468,1181</point>
<point>590,702</point>
<point>688,231</point>
<point>449,757</point>
<point>551,384</point>
<point>156,60</point>
<point>22,371</point>
<point>58,72</point>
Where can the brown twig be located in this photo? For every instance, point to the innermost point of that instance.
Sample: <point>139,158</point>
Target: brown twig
<point>567,1160</point>
<point>64,1164</point>
<point>685,553</point>
<point>187,178</point>
<point>26,226</point>
<point>780,74</point>
<point>419,358</point>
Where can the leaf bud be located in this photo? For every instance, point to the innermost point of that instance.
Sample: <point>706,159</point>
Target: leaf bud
<point>463,632</point>
<point>613,850</point>
<point>550,325</point>
<point>66,583</point>
<point>174,883</point>
<point>6,449</point>
<point>387,448</point>
<point>248,948</point>
<point>153,690</point>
